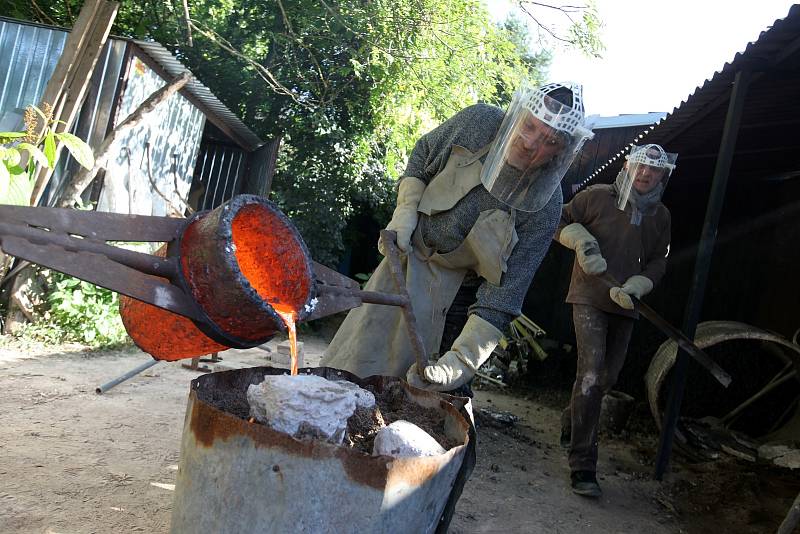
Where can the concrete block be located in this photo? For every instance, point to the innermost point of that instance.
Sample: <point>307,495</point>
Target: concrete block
<point>282,355</point>
<point>285,348</point>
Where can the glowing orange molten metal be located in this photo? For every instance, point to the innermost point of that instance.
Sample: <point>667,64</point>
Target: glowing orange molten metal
<point>248,270</point>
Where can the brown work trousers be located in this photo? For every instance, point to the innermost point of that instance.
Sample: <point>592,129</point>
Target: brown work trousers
<point>602,343</point>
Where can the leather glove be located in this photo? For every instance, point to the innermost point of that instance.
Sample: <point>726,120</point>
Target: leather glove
<point>405,216</point>
<point>587,250</point>
<point>636,285</point>
<point>472,347</point>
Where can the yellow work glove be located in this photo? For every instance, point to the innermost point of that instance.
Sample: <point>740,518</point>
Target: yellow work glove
<point>405,216</point>
<point>470,350</point>
<point>587,250</point>
<point>637,286</point>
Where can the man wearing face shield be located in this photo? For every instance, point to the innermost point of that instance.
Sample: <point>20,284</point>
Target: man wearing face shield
<point>621,229</point>
<point>477,206</point>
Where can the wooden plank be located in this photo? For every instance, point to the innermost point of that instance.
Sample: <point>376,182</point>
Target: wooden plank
<point>73,89</point>
<point>72,46</point>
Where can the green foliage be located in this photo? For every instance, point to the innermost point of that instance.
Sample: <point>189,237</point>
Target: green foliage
<point>348,86</point>
<point>78,312</point>
<point>39,141</point>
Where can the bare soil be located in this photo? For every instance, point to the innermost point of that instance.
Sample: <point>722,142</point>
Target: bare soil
<point>73,461</point>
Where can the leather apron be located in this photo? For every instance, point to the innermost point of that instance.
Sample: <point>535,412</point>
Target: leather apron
<point>373,339</point>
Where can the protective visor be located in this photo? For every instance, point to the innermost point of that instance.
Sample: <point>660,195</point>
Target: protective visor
<point>535,145</point>
<point>645,174</point>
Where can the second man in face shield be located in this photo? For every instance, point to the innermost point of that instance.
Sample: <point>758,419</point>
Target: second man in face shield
<point>620,234</point>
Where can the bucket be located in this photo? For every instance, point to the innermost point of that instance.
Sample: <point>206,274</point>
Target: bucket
<point>241,263</point>
<point>241,477</point>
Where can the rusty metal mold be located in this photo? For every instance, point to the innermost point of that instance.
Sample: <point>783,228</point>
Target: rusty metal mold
<point>236,476</point>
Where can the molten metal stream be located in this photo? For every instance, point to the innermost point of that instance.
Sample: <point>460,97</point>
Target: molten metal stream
<point>289,318</point>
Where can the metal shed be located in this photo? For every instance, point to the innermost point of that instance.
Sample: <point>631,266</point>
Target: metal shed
<point>191,147</point>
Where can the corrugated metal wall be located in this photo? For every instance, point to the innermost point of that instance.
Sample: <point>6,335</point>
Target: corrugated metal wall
<point>28,57</point>
<point>151,170</point>
<point>93,120</point>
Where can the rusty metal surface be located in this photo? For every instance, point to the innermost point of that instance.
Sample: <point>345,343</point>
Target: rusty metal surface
<point>213,275</point>
<point>235,476</point>
<point>94,224</point>
<point>104,272</point>
<point>708,334</point>
<point>334,292</point>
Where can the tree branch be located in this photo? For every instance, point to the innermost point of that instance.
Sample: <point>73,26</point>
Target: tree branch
<point>82,179</point>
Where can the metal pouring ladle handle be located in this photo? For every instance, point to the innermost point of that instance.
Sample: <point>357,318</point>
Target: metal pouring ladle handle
<point>679,337</point>
<point>389,239</point>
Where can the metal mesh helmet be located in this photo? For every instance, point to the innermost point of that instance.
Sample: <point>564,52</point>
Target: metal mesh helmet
<point>652,155</point>
<point>542,131</point>
<point>543,103</point>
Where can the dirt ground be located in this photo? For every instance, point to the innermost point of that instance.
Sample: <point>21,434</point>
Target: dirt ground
<point>73,461</point>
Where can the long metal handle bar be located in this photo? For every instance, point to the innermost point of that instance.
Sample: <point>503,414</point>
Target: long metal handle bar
<point>146,263</point>
<point>389,240</point>
<point>370,297</point>
<point>680,338</point>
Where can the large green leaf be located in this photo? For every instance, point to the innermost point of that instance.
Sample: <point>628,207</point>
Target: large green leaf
<point>5,179</point>
<point>50,149</point>
<point>79,149</point>
<point>8,137</point>
<point>20,190</point>
<point>35,153</point>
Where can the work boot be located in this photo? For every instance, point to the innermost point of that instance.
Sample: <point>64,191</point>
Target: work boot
<point>585,483</point>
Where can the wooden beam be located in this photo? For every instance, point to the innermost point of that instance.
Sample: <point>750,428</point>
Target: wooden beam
<point>74,43</point>
<point>76,65</point>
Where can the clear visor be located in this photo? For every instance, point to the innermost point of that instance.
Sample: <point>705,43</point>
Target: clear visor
<point>644,177</point>
<point>531,154</point>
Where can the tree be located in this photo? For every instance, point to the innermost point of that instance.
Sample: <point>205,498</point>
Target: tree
<point>349,85</point>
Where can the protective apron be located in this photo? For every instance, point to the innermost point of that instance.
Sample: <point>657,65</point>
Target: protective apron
<point>373,339</point>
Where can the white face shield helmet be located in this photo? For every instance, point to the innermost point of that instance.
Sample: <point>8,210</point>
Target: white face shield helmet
<point>541,133</point>
<point>645,174</point>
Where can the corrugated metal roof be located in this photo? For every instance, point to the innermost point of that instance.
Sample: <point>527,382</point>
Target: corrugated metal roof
<point>174,67</point>
<point>44,43</point>
<point>624,121</point>
<point>694,128</point>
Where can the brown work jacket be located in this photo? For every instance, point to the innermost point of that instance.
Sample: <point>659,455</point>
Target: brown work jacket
<point>629,249</point>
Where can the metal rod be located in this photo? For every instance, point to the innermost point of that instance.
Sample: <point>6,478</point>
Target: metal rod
<point>370,297</point>
<point>792,518</point>
<point>145,263</point>
<point>728,419</point>
<point>130,374</point>
<point>389,240</point>
<point>484,376</point>
<point>702,264</point>
<point>683,342</point>
<point>783,416</point>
